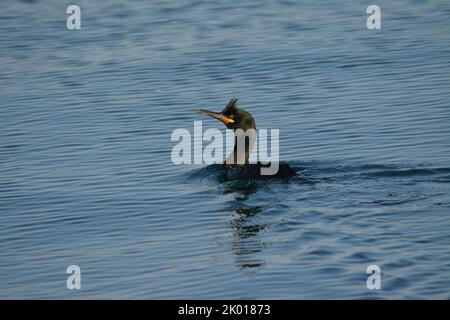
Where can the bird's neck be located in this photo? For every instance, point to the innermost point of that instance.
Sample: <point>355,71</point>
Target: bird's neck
<point>243,146</point>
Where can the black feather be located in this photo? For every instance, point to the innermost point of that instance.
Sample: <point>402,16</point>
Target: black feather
<point>232,105</point>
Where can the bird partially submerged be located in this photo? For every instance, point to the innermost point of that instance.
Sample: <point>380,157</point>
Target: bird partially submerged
<point>241,121</point>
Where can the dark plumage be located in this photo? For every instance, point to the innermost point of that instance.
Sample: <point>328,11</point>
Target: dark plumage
<point>237,118</point>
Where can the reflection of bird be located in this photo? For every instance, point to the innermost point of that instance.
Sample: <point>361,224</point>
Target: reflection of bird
<point>236,118</point>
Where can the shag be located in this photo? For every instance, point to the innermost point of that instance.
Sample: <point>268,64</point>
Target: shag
<point>236,118</point>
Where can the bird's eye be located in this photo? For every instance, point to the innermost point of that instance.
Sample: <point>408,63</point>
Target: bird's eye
<point>231,116</point>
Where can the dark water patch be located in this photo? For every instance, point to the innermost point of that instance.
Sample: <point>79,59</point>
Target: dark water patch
<point>320,252</point>
<point>409,172</point>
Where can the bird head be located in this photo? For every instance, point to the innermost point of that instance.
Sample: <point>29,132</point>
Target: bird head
<point>232,116</point>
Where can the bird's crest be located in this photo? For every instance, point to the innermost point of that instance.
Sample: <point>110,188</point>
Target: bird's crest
<point>232,105</point>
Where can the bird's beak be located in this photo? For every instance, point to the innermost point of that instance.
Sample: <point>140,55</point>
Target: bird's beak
<point>216,115</point>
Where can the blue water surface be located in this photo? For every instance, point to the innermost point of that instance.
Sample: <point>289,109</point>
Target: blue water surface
<point>86,176</point>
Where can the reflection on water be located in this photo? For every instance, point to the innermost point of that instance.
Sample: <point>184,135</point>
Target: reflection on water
<point>246,229</point>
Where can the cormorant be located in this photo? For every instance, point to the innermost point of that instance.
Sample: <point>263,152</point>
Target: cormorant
<point>237,118</point>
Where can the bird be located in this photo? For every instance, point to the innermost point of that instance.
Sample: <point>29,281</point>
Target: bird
<point>236,118</point>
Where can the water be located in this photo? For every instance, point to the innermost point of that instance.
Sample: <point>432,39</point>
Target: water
<point>86,176</point>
